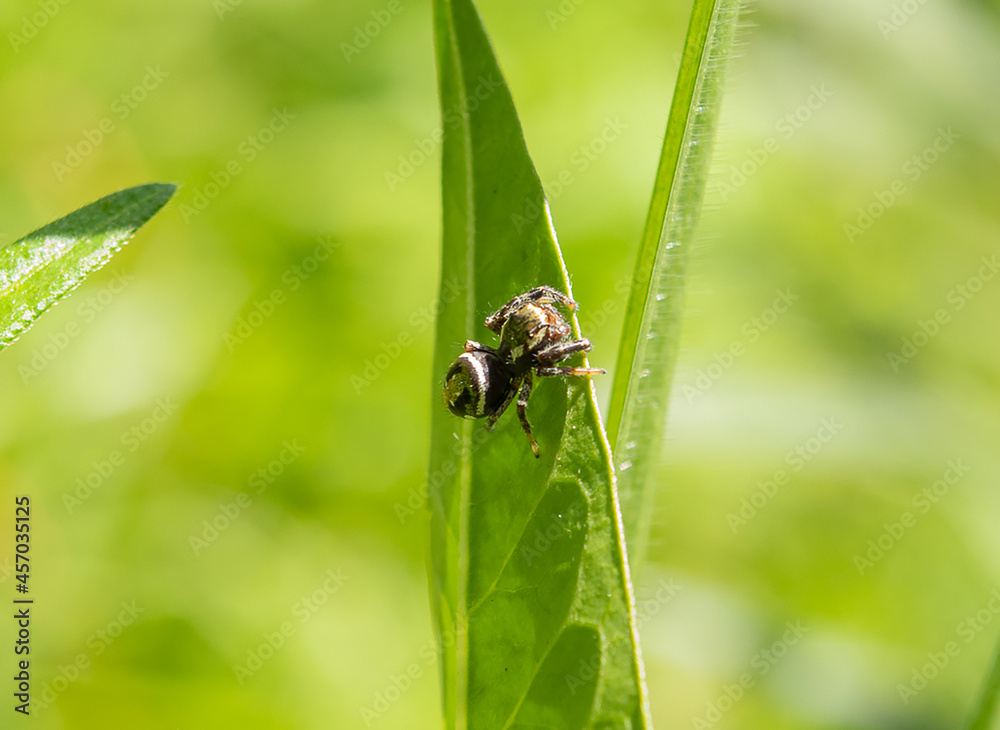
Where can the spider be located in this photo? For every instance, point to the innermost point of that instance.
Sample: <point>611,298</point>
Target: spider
<point>534,336</point>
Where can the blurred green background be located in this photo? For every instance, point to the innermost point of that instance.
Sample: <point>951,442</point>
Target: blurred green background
<point>259,355</point>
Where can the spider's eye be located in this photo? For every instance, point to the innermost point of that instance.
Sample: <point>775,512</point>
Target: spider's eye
<point>469,386</point>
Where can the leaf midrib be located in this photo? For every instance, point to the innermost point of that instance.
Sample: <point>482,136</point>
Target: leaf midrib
<point>465,474</point>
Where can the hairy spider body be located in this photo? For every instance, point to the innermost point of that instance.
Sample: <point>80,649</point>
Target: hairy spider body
<point>534,336</point>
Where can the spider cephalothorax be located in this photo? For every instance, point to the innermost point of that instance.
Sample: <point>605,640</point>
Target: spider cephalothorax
<point>534,336</point>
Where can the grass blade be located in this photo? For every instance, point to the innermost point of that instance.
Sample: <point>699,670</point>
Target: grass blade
<point>44,266</point>
<point>651,329</point>
<point>530,580</point>
<point>987,713</point>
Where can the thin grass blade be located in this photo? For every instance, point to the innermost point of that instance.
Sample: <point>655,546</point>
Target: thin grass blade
<point>987,713</point>
<point>651,329</point>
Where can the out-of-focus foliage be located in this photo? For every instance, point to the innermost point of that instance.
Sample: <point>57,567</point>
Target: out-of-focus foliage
<point>280,308</point>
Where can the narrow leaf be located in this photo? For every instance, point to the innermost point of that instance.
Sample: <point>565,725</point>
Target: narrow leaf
<point>987,713</point>
<point>651,329</point>
<point>530,580</point>
<point>44,266</point>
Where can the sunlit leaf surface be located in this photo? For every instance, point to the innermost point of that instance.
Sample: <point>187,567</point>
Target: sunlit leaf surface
<point>44,266</point>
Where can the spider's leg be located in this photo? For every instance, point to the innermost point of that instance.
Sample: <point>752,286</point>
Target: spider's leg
<point>561,350</point>
<point>473,346</point>
<point>522,404</point>
<point>491,420</point>
<point>540,293</point>
<point>547,292</point>
<point>548,372</point>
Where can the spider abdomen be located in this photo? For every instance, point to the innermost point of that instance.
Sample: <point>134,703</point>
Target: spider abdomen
<point>476,384</point>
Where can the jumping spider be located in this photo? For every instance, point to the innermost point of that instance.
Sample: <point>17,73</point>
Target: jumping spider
<point>483,381</point>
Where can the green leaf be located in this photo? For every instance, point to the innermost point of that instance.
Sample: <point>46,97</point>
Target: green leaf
<point>530,583</point>
<point>44,266</point>
<point>987,712</point>
<point>651,330</point>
